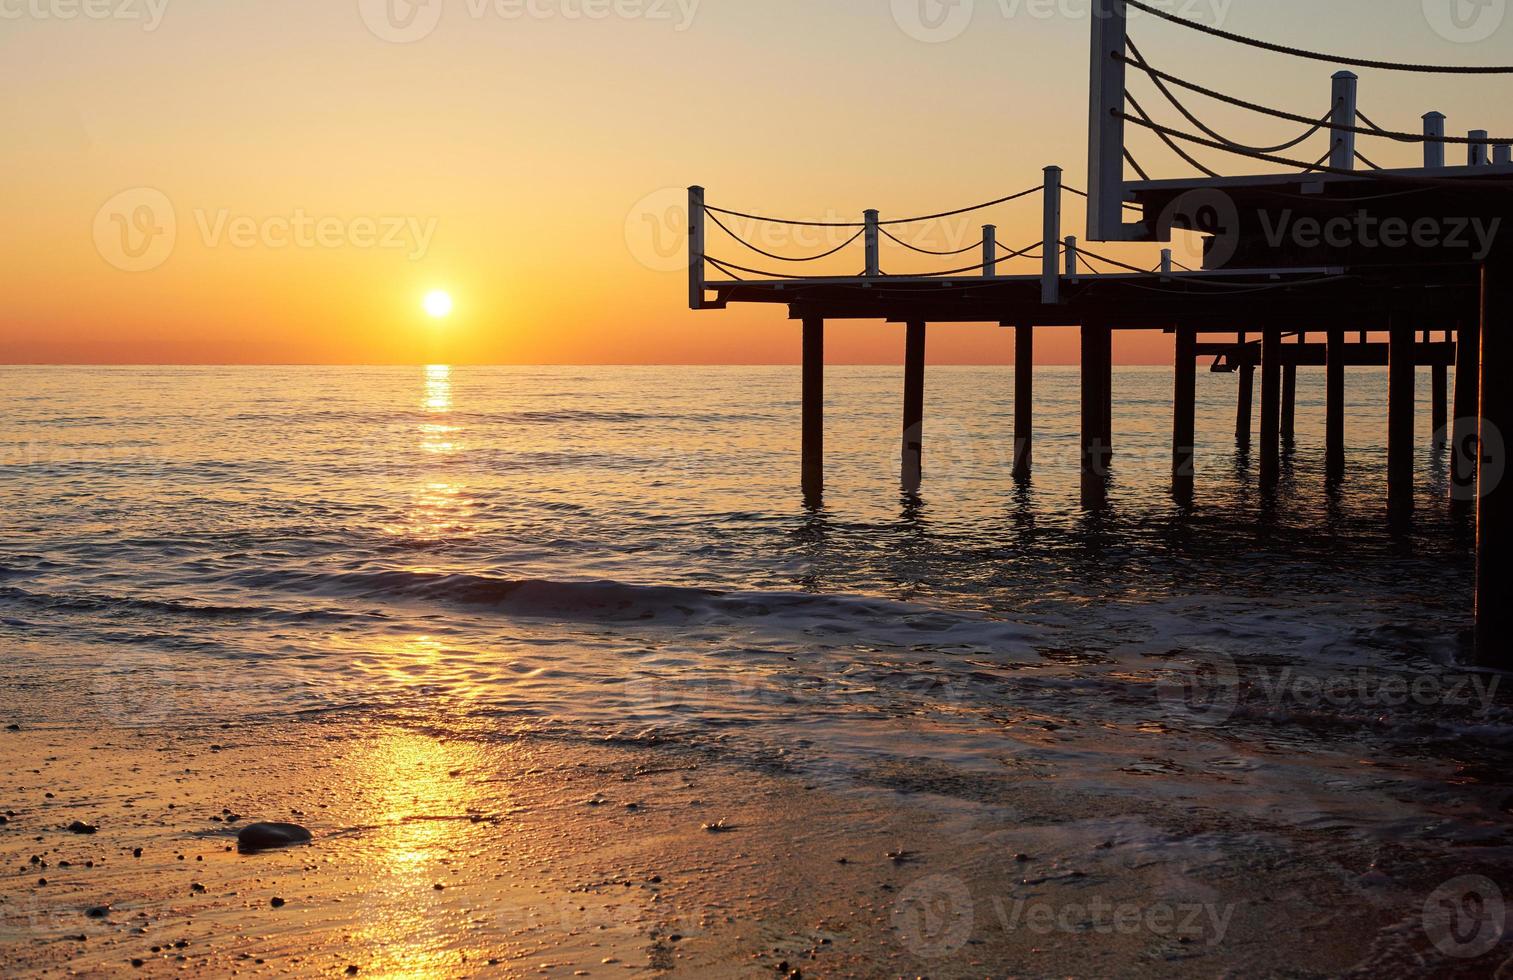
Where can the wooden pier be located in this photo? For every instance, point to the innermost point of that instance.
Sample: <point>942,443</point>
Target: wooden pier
<point>1261,302</point>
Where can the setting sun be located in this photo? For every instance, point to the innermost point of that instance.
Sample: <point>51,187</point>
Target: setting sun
<point>438,303</point>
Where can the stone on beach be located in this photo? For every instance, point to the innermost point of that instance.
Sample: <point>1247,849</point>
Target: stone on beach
<point>267,836</point>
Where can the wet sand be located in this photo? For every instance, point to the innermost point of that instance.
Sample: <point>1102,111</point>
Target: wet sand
<point>440,856</point>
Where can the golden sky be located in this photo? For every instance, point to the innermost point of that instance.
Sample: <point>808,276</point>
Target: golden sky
<point>230,181</point>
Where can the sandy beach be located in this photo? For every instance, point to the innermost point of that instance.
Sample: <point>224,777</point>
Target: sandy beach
<point>443,857</point>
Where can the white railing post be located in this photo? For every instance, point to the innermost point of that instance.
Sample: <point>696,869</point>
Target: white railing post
<point>1477,155</point>
<point>1166,261</point>
<point>1343,100</point>
<point>1105,182</point>
<point>1069,255</point>
<point>1502,154</point>
<point>989,251</point>
<point>1050,265</point>
<point>874,268</point>
<point>1434,135</point>
<point>696,248</point>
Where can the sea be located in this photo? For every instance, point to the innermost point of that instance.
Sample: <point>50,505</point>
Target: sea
<point>623,554</point>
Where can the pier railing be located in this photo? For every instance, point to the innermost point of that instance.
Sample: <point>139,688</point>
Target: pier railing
<point>1112,105</point>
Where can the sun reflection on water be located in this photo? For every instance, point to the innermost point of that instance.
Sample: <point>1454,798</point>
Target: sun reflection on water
<point>441,511</point>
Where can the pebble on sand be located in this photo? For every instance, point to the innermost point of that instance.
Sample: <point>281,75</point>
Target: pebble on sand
<point>266,836</point>
<point>80,827</point>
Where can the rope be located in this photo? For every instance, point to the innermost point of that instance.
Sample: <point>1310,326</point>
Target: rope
<point>1157,73</point>
<point>1172,98</point>
<point>976,207</point>
<point>928,251</point>
<point>1124,204</point>
<point>1162,132</point>
<point>728,266</point>
<point>1364,159</point>
<point>1082,252</point>
<point>1139,170</point>
<point>783,258</point>
<point>1316,56</point>
<point>1463,185</point>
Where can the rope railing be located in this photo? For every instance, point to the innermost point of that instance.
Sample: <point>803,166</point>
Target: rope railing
<point>798,223</point>
<point>929,251</point>
<point>1319,56</point>
<point>1370,129</point>
<point>784,258</point>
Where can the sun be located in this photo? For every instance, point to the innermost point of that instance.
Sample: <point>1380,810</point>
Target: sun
<point>438,303</point>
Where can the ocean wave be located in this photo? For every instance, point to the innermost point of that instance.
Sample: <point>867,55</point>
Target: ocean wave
<point>620,602</point>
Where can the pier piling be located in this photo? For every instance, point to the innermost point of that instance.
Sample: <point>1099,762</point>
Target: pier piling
<point>1271,406</point>
<point>1334,407</point>
<point>914,406</point>
<point>1494,505</point>
<point>1184,414</point>
<point>1024,400</point>
<point>1401,368</point>
<point>1289,404</point>
<point>1246,397</point>
<point>1464,455</point>
<point>1096,375</point>
<point>813,437</point>
<point>1440,404</point>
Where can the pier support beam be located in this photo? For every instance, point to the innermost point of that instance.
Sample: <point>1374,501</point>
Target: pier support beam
<point>1244,400</point>
<point>914,406</point>
<point>814,411</point>
<point>1402,348</point>
<point>1464,455</point>
<point>1184,414</point>
<point>1289,404</point>
<point>1334,408</point>
<point>1440,405</point>
<point>1024,400</point>
<point>1271,407</point>
<point>1494,504</point>
<point>1097,368</point>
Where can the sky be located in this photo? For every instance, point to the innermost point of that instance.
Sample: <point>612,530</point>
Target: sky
<point>281,181</point>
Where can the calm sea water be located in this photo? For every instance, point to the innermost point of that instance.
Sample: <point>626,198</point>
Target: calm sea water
<point>623,553</point>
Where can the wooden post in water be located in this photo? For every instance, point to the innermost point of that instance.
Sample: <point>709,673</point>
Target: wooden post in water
<point>1439,408</point>
<point>1289,404</point>
<point>1246,396</point>
<point>1401,368</point>
<point>1096,353</point>
<point>814,410</point>
<point>1464,454</point>
<point>1184,414</point>
<point>1494,504</point>
<point>914,406</point>
<point>1271,406</point>
<point>1334,408</point>
<point>1024,400</point>
<point>696,248</point>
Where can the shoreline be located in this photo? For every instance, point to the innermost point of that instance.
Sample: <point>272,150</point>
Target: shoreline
<point>522,857</point>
